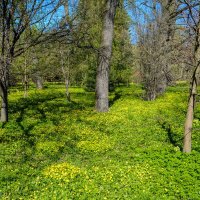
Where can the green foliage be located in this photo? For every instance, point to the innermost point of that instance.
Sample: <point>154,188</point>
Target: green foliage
<point>121,62</point>
<point>122,58</point>
<point>54,149</point>
<point>79,57</point>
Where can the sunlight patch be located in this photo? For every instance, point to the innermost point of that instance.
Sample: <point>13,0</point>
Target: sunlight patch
<point>93,140</point>
<point>143,172</point>
<point>95,145</point>
<point>63,171</point>
<point>49,147</point>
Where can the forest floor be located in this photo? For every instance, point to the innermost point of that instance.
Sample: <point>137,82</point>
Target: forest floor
<point>54,149</point>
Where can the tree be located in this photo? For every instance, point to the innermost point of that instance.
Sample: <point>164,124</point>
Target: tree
<point>17,17</point>
<point>121,61</point>
<point>156,44</point>
<point>122,56</point>
<point>193,21</point>
<point>102,78</point>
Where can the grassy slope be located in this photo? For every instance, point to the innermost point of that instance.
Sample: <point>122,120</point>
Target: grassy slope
<point>52,149</point>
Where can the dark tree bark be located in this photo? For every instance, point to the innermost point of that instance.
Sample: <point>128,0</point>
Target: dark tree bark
<point>102,78</point>
<point>4,102</point>
<point>4,84</point>
<point>150,93</point>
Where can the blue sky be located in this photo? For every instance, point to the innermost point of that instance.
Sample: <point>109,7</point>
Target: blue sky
<point>136,15</point>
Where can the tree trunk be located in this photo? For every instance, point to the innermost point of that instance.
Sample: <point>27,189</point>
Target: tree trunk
<point>150,83</point>
<point>187,146</point>
<point>67,90</point>
<point>150,95</point>
<point>66,7</point>
<point>25,80</point>
<point>193,91</point>
<point>4,84</point>
<point>65,72</point>
<point>161,83</point>
<point>102,78</point>
<point>188,126</point>
<point>25,88</point>
<point>39,82</point>
<point>150,91</point>
<point>4,103</point>
<point>66,78</point>
<point>167,36</point>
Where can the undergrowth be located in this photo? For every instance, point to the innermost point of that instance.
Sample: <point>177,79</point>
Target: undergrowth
<point>55,149</point>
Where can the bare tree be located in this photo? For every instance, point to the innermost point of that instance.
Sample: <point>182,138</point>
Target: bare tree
<point>102,78</point>
<point>16,17</point>
<point>156,43</point>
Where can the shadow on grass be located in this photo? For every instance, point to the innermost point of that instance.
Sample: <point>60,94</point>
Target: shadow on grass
<point>44,107</point>
<point>133,92</point>
<point>117,96</point>
<point>171,135</point>
<point>79,101</point>
<point>42,118</point>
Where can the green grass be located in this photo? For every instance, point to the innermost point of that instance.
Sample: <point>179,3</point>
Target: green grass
<point>54,149</point>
